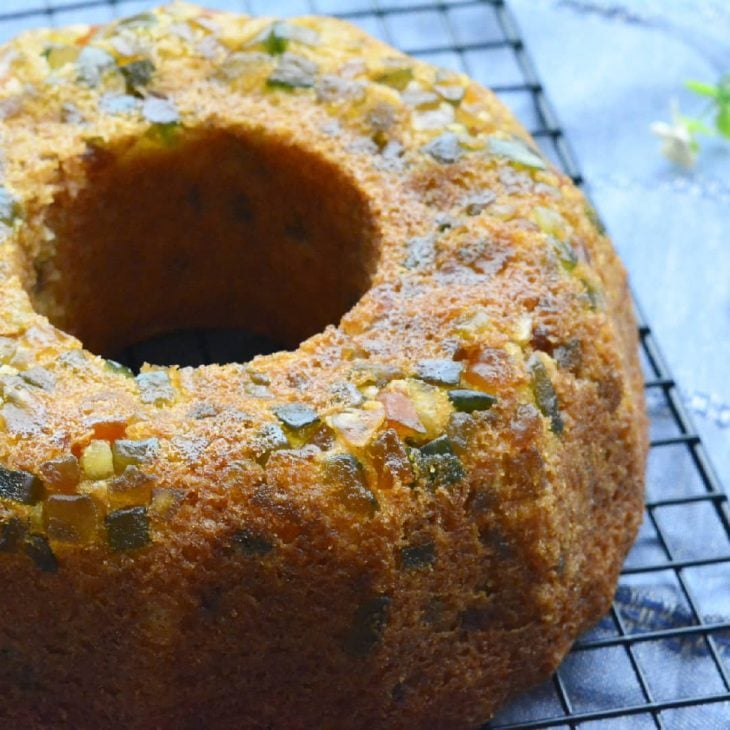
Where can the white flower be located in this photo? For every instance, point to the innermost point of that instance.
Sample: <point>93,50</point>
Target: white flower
<point>678,143</point>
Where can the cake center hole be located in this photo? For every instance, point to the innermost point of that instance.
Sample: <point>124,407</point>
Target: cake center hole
<point>243,242</point>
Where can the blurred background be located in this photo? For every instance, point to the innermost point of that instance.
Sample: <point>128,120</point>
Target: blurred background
<point>661,658</point>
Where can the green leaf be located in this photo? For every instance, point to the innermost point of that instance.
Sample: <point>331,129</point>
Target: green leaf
<point>702,88</point>
<point>722,120</point>
<point>697,126</point>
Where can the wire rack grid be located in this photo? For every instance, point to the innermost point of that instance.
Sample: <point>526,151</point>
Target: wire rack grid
<point>661,658</point>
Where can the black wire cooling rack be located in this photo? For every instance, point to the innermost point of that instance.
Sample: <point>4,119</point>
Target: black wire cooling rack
<point>660,658</point>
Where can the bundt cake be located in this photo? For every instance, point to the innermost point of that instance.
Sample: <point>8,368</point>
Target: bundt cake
<point>402,520</point>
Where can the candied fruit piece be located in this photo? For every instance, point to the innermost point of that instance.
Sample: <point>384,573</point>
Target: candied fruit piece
<point>460,429</point>
<point>413,557</point>
<point>126,452</point>
<point>293,72</point>
<point>545,395</point>
<point>569,356</point>
<point>296,416</point>
<point>39,551</point>
<point>270,438</point>
<point>118,369</point>
<point>348,474</point>
<point>492,368</point>
<point>436,470</point>
<point>137,75</point>
<point>133,487</point>
<point>397,77</point>
<point>70,518</point>
<point>97,461</point>
<point>155,387</point>
<point>390,460</point>
<point>20,486</point>
<point>248,542</point>
<point>468,401</point>
<point>128,528</point>
<point>357,426</point>
<point>439,372</point>
<point>165,502</point>
<point>12,534</point>
<point>367,627</point>
<point>400,412</point>
<point>439,445</point>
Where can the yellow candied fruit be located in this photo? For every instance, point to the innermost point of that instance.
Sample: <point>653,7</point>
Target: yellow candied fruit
<point>70,518</point>
<point>97,461</point>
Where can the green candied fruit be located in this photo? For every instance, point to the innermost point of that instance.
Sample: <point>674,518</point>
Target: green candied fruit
<point>441,445</point>
<point>439,372</point>
<point>367,626</point>
<point>277,39</point>
<point>413,557</point>
<point>468,401</point>
<point>249,542</point>
<point>12,534</point>
<point>516,150</point>
<point>293,72</point>
<point>137,74</point>
<point>20,486</point>
<point>348,474</point>
<point>397,78</point>
<point>38,549</point>
<point>296,416</point>
<point>70,518</point>
<point>128,528</point>
<point>565,253</point>
<point>9,207</point>
<point>118,369</point>
<point>435,470</point>
<point>545,395</point>
<point>126,452</point>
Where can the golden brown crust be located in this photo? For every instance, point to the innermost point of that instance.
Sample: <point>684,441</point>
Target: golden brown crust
<point>402,522</point>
